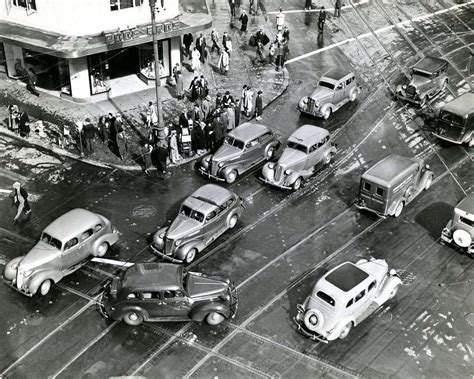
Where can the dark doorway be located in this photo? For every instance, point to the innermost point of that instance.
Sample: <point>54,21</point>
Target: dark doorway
<point>123,62</point>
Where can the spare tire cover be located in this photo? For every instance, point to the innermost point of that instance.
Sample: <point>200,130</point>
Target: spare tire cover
<point>313,319</point>
<point>462,238</point>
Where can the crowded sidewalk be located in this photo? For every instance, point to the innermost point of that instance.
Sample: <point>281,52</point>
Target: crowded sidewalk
<point>52,117</point>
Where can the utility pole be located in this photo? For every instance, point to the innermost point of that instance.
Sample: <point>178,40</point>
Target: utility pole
<point>159,110</point>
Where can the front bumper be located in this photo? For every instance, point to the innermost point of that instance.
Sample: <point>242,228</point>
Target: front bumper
<point>11,284</point>
<point>447,139</point>
<point>210,176</point>
<point>274,184</point>
<point>414,100</point>
<point>163,256</point>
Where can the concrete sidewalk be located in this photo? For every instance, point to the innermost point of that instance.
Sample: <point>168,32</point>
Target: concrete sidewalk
<point>57,112</point>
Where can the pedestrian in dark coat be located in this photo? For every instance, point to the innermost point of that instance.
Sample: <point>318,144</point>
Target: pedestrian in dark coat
<point>196,114</point>
<point>194,87</point>
<point>161,153</point>
<point>215,41</point>
<point>104,132</point>
<point>259,106</point>
<point>119,140</point>
<point>259,53</point>
<point>89,131</point>
<point>308,4</point>
<point>227,42</point>
<point>232,7</point>
<point>337,8</point>
<point>286,34</point>
<point>185,120</point>
<point>110,123</point>
<point>146,156</point>
<point>179,86</point>
<point>321,20</point>
<point>203,87</point>
<point>198,139</point>
<point>219,128</point>
<point>31,82</point>
<point>210,135</point>
<point>201,46</point>
<point>244,19</point>
<point>24,124</point>
<point>237,111</point>
<point>218,100</point>
<point>20,200</point>
<point>227,99</point>
<point>187,41</point>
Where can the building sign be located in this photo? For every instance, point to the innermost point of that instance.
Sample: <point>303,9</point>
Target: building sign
<point>141,32</point>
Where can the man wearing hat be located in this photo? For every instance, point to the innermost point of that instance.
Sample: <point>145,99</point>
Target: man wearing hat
<point>259,106</point>
<point>227,99</point>
<point>88,130</point>
<point>206,107</point>
<point>20,199</point>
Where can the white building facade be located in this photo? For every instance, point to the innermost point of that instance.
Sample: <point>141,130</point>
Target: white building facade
<point>90,50</point>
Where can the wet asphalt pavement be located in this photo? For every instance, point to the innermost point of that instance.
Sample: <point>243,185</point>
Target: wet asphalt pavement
<point>284,241</point>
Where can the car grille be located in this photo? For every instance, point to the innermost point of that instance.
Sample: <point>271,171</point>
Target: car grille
<point>310,105</point>
<point>168,245</point>
<point>278,172</point>
<point>213,167</point>
<point>411,91</point>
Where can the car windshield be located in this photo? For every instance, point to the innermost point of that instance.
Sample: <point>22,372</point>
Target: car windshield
<point>191,213</point>
<point>322,83</point>
<point>46,238</point>
<point>297,146</point>
<point>421,73</point>
<point>234,142</point>
<point>452,118</point>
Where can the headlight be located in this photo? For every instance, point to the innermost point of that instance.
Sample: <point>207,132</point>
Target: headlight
<point>287,172</point>
<point>305,100</point>
<point>427,166</point>
<point>225,297</point>
<point>271,166</point>
<point>221,164</point>
<point>161,235</point>
<point>28,273</point>
<point>404,86</point>
<point>177,243</point>
<point>207,159</point>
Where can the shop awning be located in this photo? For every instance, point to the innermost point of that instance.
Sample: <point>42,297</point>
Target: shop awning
<point>62,46</point>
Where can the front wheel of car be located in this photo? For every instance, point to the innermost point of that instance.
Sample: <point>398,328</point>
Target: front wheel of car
<point>329,158</point>
<point>345,331</point>
<point>297,184</point>
<point>102,249</point>
<point>394,291</point>
<point>214,318</point>
<point>399,209</point>
<point>327,113</point>
<point>190,255</point>
<point>270,152</point>
<point>428,182</point>
<point>233,221</point>
<point>133,318</point>
<point>45,287</point>
<point>423,101</point>
<point>353,96</point>
<point>231,176</point>
<point>444,85</point>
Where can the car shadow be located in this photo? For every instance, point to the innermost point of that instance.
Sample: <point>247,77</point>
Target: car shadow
<point>434,218</point>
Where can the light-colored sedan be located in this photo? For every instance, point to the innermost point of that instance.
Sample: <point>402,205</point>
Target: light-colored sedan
<point>344,297</point>
<point>63,248</point>
<point>204,216</point>
<point>306,148</point>
<point>243,148</point>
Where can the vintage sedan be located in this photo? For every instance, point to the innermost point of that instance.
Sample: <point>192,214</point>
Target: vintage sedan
<point>344,297</point>
<point>336,88</point>
<point>306,148</point>
<point>167,292</point>
<point>428,78</point>
<point>63,248</point>
<point>460,229</point>
<point>203,217</point>
<point>243,148</point>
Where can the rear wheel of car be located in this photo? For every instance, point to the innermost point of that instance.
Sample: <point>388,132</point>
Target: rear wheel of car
<point>329,158</point>
<point>428,182</point>
<point>132,318</point>
<point>270,152</point>
<point>214,318</point>
<point>231,176</point>
<point>297,184</point>
<point>45,287</point>
<point>399,209</point>
<point>353,95</point>
<point>102,249</point>
<point>233,221</point>
<point>190,255</point>
<point>327,113</point>
<point>345,331</point>
<point>394,291</point>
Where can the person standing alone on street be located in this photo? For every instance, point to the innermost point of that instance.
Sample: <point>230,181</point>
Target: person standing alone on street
<point>321,20</point>
<point>258,106</point>
<point>20,200</point>
<point>31,82</point>
<point>244,19</point>
<point>187,41</point>
<point>232,7</point>
<point>337,8</point>
<point>224,61</point>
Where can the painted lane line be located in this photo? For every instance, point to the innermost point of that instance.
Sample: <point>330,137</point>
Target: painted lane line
<point>16,235</point>
<point>317,9</point>
<point>365,35</point>
<point>50,334</point>
<point>85,348</point>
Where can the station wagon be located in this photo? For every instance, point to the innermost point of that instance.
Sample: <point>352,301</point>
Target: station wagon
<point>306,148</point>
<point>63,248</point>
<point>344,297</point>
<point>390,184</point>
<point>336,88</point>
<point>203,217</point>
<point>243,148</point>
<point>460,229</point>
<point>456,120</point>
<point>428,78</point>
<point>167,292</point>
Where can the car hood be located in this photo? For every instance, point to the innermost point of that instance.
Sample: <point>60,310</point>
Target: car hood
<point>321,93</point>
<point>291,157</point>
<point>419,81</point>
<point>181,227</point>
<point>40,254</point>
<point>226,152</point>
<point>201,285</point>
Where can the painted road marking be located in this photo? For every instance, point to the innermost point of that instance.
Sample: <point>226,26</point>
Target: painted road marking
<point>365,35</point>
<point>318,9</point>
<point>13,175</point>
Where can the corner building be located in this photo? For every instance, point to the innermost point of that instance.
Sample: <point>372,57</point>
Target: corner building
<point>91,50</point>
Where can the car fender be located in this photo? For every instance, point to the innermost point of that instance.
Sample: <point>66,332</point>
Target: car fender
<point>393,207</point>
<point>267,172</point>
<point>233,166</point>
<point>13,263</point>
<point>424,178</point>
<point>274,144</point>
<point>290,179</point>
<point>200,312</point>
<point>110,238</point>
<point>36,279</point>
<point>336,331</point>
<point>399,89</point>
<point>326,106</point>
<point>386,288</point>
<point>183,250</point>
<point>118,313</point>
<point>237,211</point>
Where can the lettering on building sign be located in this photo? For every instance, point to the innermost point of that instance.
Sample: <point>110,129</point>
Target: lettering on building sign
<point>141,32</point>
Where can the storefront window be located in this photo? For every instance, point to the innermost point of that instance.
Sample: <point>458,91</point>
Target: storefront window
<point>52,73</point>
<point>3,59</point>
<point>99,73</point>
<point>28,4</point>
<point>116,5</point>
<point>147,61</point>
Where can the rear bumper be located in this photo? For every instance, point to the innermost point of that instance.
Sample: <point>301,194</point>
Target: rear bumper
<point>163,256</point>
<point>303,330</point>
<point>447,139</point>
<point>361,206</point>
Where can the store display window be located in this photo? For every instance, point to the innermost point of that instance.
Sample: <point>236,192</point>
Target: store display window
<point>99,73</point>
<point>147,61</point>
<point>3,59</point>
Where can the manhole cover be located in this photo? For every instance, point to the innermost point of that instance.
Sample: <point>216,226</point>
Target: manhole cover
<point>144,211</point>
<point>470,319</point>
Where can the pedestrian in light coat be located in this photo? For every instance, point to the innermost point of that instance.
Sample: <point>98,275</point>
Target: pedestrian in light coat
<point>206,108</point>
<point>230,118</point>
<point>224,62</point>
<point>179,85</point>
<point>195,60</point>
<point>146,156</point>
<point>259,106</point>
<point>248,101</point>
<point>174,153</point>
<point>227,99</point>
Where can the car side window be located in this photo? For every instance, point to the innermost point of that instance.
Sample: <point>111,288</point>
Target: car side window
<point>351,301</point>
<point>86,234</point>
<point>264,137</point>
<point>148,295</point>
<point>371,286</point>
<point>71,243</point>
<point>359,296</point>
<point>172,294</point>
<point>226,205</point>
<point>313,148</point>
<point>340,86</point>
<point>211,215</point>
<point>322,142</point>
<point>252,143</point>
<point>98,227</point>
<point>367,186</point>
<point>379,191</point>
<point>349,81</point>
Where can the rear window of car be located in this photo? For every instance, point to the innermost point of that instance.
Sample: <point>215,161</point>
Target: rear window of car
<point>421,73</point>
<point>379,191</point>
<point>466,221</point>
<point>322,83</point>
<point>325,297</point>
<point>367,186</point>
